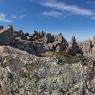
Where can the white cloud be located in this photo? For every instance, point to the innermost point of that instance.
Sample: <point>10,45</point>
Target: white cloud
<point>69,8</point>
<point>17,16</point>
<point>13,16</point>
<point>63,7</point>
<point>9,18</point>
<point>3,18</point>
<point>93,17</point>
<point>52,13</point>
<point>21,16</point>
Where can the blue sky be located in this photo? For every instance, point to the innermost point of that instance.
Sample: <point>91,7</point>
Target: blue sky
<point>70,17</point>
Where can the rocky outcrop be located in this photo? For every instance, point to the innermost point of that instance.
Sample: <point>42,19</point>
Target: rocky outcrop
<point>37,35</point>
<point>35,43</point>
<point>73,47</point>
<point>25,74</point>
<point>56,42</point>
<point>40,42</point>
<point>88,47</point>
<point>6,36</point>
<point>61,42</point>
<point>25,46</point>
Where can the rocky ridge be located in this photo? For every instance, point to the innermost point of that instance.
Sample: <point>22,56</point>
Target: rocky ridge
<point>22,72</point>
<point>37,42</point>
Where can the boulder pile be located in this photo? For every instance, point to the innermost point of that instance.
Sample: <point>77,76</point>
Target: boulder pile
<point>37,42</point>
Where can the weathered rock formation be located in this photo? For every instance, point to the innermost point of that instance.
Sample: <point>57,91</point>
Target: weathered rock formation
<point>73,47</point>
<point>40,42</point>
<point>6,35</point>
<point>36,43</point>
<point>25,74</point>
<point>88,47</point>
<point>55,43</point>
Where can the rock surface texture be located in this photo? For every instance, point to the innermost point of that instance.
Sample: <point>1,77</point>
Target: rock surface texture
<point>88,47</point>
<point>25,74</point>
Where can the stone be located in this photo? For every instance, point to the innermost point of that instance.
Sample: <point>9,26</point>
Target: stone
<point>1,28</point>
<point>88,47</point>
<point>51,46</point>
<point>6,36</point>
<point>46,47</point>
<point>58,48</point>
<point>25,45</point>
<point>48,38</point>
<point>29,47</point>
<point>40,42</point>
<point>40,49</point>
<point>73,47</point>
<point>26,74</point>
<point>55,43</point>
<point>59,39</point>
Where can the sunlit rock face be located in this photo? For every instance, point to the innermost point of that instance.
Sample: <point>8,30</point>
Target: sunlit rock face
<point>88,47</point>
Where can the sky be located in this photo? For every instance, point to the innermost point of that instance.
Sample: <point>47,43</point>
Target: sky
<point>69,17</point>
